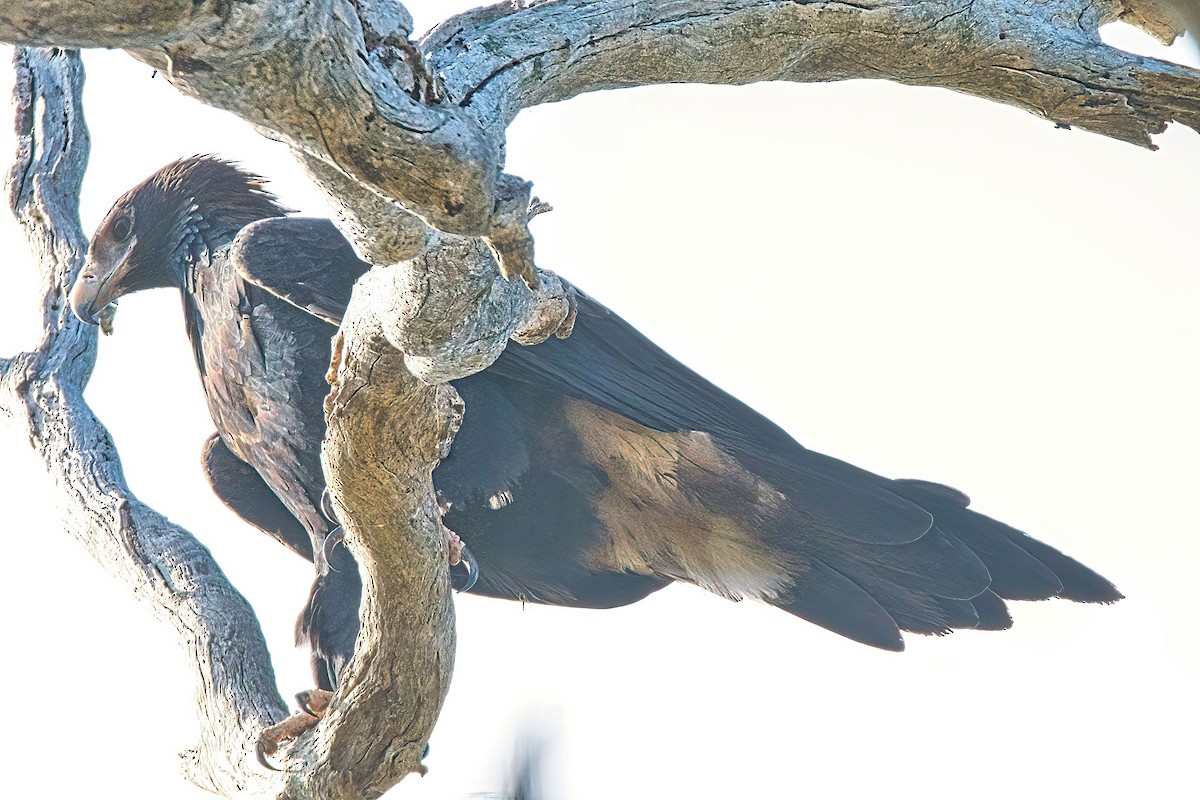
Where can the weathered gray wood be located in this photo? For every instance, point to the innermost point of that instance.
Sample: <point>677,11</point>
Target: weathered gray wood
<point>409,141</point>
<point>41,392</point>
<point>404,656</point>
<point>423,125</point>
<point>1162,19</point>
<point>1045,57</point>
<point>359,96</point>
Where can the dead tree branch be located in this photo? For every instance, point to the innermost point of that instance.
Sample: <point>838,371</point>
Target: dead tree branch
<point>42,393</point>
<point>1045,57</point>
<point>408,139</point>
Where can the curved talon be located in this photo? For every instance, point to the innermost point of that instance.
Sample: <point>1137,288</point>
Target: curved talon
<point>315,701</point>
<point>262,756</point>
<point>327,506</point>
<point>465,573</point>
<point>332,540</point>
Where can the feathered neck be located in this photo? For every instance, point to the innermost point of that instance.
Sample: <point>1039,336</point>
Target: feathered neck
<point>213,193</point>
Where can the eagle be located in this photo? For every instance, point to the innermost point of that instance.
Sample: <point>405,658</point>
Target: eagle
<point>589,471</point>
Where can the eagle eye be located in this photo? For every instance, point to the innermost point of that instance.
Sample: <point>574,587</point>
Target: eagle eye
<point>122,228</point>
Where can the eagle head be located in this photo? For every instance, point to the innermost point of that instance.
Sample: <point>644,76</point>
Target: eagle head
<point>155,230</point>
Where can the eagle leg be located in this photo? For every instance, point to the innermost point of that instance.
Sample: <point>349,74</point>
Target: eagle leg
<point>314,703</point>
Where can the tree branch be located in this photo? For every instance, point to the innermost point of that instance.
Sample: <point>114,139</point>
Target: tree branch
<point>393,692</point>
<point>41,391</point>
<point>440,109</point>
<point>1045,57</point>
<point>405,137</point>
<point>357,94</point>
<point>1165,20</point>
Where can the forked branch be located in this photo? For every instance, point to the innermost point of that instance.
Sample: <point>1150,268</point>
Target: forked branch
<point>408,139</point>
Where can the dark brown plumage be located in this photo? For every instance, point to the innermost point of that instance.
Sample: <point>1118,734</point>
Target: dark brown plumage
<point>588,472</point>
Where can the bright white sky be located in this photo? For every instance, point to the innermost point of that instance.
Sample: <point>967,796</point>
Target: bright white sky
<point>922,283</point>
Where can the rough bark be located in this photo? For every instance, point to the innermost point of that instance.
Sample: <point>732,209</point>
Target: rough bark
<point>416,169</point>
<point>1045,57</point>
<point>406,593</point>
<point>42,393</point>
<point>424,123</point>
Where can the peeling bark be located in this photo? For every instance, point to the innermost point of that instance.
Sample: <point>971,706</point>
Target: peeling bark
<point>407,138</point>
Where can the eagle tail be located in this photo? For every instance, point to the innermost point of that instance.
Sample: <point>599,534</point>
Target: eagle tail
<point>956,576</point>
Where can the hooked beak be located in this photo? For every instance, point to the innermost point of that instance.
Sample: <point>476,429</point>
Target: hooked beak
<point>84,294</point>
<point>96,288</point>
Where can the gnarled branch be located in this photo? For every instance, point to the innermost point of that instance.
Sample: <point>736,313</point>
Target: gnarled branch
<point>42,391</point>
<point>408,138</point>
<point>1045,57</point>
<point>422,125</point>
